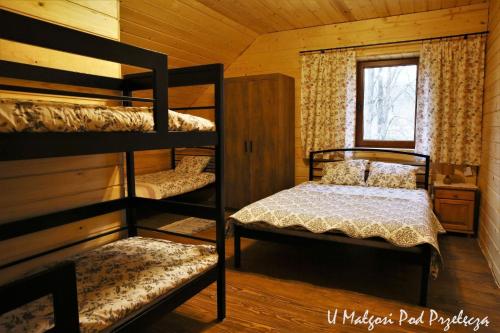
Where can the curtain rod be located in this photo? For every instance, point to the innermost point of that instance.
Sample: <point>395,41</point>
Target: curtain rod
<point>396,42</point>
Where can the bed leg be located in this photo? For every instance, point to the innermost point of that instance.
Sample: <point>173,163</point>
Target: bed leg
<point>221,297</point>
<point>237,248</point>
<point>424,280</point>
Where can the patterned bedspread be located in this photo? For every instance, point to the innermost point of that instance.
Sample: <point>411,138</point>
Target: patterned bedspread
<point>403,217</point>
<point>168,183</point>
<point>117,279</point>
<point>42,116</point>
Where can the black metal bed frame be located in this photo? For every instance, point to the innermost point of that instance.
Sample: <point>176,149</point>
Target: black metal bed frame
<point>60,280</point>
<point>420,254</point>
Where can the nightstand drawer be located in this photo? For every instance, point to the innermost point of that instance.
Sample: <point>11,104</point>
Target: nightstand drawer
<point>456,206</point>
<point>455,215</point>
<point>454,194</point>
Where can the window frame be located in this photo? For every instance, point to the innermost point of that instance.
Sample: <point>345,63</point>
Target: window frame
<point>360,84</point>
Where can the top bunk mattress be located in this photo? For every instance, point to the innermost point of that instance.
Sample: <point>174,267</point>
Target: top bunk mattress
<point>18,115</point>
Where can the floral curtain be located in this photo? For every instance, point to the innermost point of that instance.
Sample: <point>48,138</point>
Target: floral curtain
<point>328,100</point>
<point>449,103</point>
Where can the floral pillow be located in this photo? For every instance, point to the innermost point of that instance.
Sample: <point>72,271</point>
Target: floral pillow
<point>192,164</point>
<point>349,172</point>
<point>392,175</point>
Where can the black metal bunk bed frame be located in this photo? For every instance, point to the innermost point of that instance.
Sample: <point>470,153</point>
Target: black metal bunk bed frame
<point>420,254</point>
<point>60,280</point>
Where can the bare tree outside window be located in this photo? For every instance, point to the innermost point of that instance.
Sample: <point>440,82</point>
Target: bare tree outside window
<point>386,103</point>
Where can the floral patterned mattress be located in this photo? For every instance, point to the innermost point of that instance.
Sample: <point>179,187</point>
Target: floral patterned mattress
<point>116,280</point>
<point>165,184</point>
<point>403,217</point>
<point>42,116</point>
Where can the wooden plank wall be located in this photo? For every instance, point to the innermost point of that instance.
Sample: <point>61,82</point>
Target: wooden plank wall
<point>489,176</point>
<point>33,187</point>
<point>279,52</point>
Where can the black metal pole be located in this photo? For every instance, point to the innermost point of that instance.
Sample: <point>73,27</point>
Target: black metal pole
<point>311,166</point>
<point>427,167</point>
<point>219,196</point>
<point>172,158</point>
<point>390,43</point>
<point>131,211</point>
<point>130,166</point>
<point>237,246</point>
<point>424,279</point>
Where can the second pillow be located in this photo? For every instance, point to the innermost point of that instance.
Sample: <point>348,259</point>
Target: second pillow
<point>349,172</point>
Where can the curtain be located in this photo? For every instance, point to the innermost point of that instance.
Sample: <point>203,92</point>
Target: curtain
<point>450,97</point>
<point>328,100</point>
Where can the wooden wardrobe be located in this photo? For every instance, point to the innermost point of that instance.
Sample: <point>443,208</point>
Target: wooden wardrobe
<point>259,113</point>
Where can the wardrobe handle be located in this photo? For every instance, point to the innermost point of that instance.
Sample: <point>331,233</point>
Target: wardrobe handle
<point>251,146</point>
<point>246,149</point>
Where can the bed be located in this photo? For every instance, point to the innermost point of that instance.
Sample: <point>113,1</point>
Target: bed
<point>115,280</point>
<point>17,115</point>
<point>400,216</point>
<point>399,219</point>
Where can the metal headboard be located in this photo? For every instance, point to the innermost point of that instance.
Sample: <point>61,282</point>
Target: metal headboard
<point>425,164</point>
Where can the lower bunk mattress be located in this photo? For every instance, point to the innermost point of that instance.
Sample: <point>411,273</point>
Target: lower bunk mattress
<point>46,116</point>
<point>116,280</point>
<point>169,183</point>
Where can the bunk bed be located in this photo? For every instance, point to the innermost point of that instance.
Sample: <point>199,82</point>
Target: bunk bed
<point>359,215</point>
<point>66,285</point>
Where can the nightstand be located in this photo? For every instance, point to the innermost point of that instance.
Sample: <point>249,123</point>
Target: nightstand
<point>456,206</point>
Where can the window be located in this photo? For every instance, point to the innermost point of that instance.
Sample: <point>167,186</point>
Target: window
<point>386,103</point>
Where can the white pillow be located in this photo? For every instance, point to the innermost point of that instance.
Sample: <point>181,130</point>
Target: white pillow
<point>392,175</point>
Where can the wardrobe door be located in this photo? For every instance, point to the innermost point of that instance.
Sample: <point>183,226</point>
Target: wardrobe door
<point>263,111</point>
<point>236,159</point>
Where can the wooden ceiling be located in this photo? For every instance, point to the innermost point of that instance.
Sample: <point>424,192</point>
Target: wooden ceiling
<point>194,32</point>
<point>265,16</point>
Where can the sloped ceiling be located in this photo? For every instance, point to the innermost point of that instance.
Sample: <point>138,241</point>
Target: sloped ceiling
<point>265,16</point>
<point>195,32</point>
<point>187,30</point>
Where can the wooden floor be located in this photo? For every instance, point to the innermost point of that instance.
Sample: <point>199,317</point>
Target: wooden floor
<point>283,288</point>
